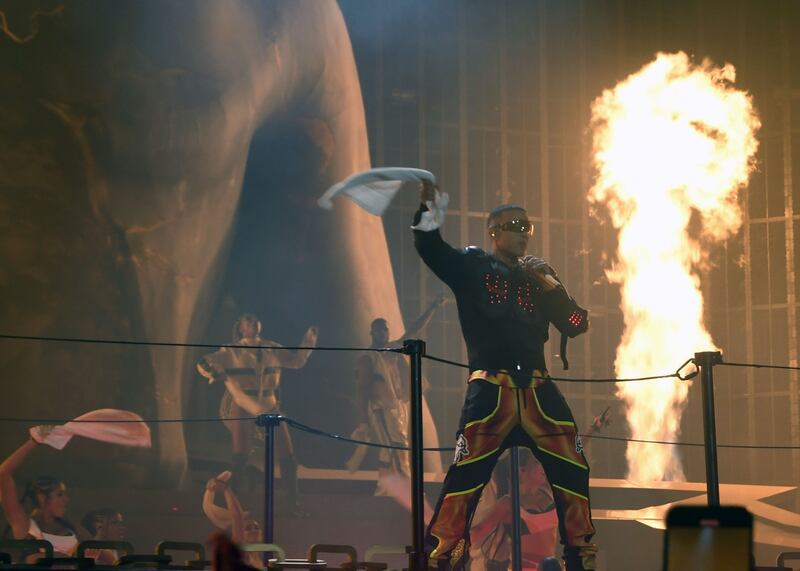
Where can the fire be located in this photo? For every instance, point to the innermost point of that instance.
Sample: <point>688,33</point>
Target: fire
<point>673,143</point>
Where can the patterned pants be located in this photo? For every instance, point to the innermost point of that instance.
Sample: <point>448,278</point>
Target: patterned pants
<point>498,414</point>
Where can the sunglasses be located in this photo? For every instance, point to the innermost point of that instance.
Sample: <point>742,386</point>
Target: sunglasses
<point>517,225</point>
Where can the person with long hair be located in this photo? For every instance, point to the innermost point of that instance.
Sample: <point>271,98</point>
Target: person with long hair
<point>48,499</point>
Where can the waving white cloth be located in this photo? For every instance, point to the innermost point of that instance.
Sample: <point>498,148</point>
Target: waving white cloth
<point>103,425</point>
<point>373,190</point>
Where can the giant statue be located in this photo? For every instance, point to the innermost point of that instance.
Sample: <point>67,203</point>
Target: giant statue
<point>157,158</point>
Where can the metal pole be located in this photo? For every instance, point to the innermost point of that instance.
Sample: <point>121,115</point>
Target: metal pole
<point>516,531</point>
<point>269,422</point>
<point>417,558</point>
<point>705,361</point>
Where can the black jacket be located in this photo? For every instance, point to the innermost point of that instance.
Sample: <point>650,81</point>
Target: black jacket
<point>502,311</point>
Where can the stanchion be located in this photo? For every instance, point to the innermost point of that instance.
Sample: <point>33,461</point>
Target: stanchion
<point>705,361</point>
<point>516,528</point>
<point>269,423</point>
<point>417,558</point>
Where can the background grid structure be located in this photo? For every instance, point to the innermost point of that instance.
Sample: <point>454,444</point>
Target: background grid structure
<point>494,98</point>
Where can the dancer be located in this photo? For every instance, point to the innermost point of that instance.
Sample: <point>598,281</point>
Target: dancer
<point>506,302</point>
<point>383,395</point>
<point>252,378</point>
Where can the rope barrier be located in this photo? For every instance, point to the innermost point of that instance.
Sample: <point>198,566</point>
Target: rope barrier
<point>8,337</point>
<point>300,426</point>
<point>697,444</point>
<point>319,432</point>
<point>760,366</point>
<point>53,421</point>
<point>200,345</point>
<point>675,375</point>
<point>445,361</point>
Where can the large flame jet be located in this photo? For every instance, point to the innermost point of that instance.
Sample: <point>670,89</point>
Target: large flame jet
<point>673,144</point>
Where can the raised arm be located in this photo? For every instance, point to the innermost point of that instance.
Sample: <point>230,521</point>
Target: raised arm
<point>598,424</point>
<point>446,262</point>
<point>12,507</point>
<point>236,512</point>
<point>298,359</point>
<point>220,517</point>
<point>420,322</point>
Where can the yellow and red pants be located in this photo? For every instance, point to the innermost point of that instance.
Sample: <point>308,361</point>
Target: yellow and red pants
<point>499,413</point>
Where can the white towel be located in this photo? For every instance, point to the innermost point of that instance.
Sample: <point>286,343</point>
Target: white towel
<point>373,190</point>
<point>132,432</point>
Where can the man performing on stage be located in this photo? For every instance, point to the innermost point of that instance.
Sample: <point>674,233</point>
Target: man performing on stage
<point>505,304</point>
<point>252,378</point>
